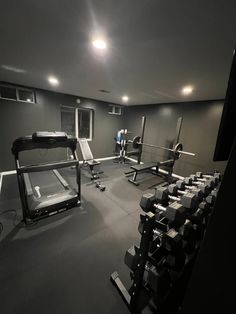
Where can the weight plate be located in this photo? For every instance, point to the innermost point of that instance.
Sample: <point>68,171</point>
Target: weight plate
<point>177,148</point>
<point>136,141</point>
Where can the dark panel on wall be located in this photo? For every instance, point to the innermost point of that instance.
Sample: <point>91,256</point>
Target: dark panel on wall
<point>22,118</point>
<point>199,132</point>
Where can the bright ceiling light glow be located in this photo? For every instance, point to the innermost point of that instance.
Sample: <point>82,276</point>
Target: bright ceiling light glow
<point>125,98</point>
<point>187,90</point>
<point>29,100</point>
<point>53,80</point>
<point>99,44</point>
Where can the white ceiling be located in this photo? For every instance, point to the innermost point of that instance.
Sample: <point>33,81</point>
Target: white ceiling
<point>155,47</point>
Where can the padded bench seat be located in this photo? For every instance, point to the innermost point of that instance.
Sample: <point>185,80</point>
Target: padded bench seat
<point>92,162</point>
<point>145,166</point>
<point>136,169</point>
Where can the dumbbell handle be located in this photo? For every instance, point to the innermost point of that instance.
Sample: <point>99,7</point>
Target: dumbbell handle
<point>202,179</point>
<point>157,233</point>
<point>183,192</point>
<point>160,207</point>
<point>190,187</point>
<point>174,198</point>
<point>198,183</point>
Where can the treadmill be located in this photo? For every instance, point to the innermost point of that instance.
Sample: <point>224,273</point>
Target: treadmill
<point>43,190</point>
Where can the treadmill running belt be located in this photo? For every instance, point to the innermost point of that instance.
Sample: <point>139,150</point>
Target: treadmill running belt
<point>47,182</point>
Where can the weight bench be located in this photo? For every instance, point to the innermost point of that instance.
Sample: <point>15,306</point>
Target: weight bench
<point>88,159</point>
<point>152,167</point>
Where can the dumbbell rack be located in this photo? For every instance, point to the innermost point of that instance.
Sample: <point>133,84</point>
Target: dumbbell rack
<point>131,298</point>
<point>137,298</point>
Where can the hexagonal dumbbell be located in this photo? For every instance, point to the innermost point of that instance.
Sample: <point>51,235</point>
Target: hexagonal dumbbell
<point>202,213</point>
<point>131,257</point>
<point>174,190</point>
<point>170,240</point>
<point>182,185</point>
<point>193,180</point>
<point>176,261</point>
<point>216,174</point>
<point>188,200</point>
<point>157,278</point>
<point>212,179</point>
<point>174,212</point>
<point>210,199</point>
<point>189,237</point>
<point>147,202</point>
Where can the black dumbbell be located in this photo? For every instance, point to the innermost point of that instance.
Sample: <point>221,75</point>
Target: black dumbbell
<point>100,186</point>
<point>193,180</point>
<point>174,212</point>
<point>132,257</point>
<point>196,177</point>
<point>182,185</point>
<point>176,261</point>
<point>210,199</point>
<point>170,240</point>
<point>174,190</point>
<point>151,275</point>
<point>216,174</point>
<point>188,200</point>
<point>157,278</point>
<point>188,235</point>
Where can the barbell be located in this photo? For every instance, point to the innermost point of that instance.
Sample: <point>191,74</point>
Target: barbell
<point>177,150</point>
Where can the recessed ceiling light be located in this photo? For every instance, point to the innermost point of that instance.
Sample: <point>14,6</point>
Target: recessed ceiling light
<point>186,90</point>
<point>99,44</point>
<point>125,98</point>
<point>53,80</point>
<point>29,100</point>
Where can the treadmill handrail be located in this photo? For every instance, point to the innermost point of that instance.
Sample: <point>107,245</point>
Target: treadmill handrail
<point>29,143</point>
<point>47,166</point>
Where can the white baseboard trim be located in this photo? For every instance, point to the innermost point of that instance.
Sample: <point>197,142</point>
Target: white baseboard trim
<point>5,173</point>
<point>1,176</point>
<point>134,160</point>
<point>106,158</point>
<point>173,174</point>
<point>10,172</point>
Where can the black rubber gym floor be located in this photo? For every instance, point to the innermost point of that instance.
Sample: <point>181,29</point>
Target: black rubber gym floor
<point>63,263</point>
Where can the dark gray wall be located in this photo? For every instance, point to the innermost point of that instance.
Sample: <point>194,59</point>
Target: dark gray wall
<point>19,119</point>
<point>199,132</point>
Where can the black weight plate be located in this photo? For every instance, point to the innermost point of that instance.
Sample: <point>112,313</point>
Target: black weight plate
<point>136,141</point>
<point>177,148</point>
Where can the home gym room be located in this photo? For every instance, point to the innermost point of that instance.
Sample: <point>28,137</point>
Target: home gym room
<point>117,156</point>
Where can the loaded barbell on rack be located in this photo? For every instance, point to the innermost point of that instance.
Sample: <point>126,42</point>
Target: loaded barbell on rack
<point>177,150</point>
